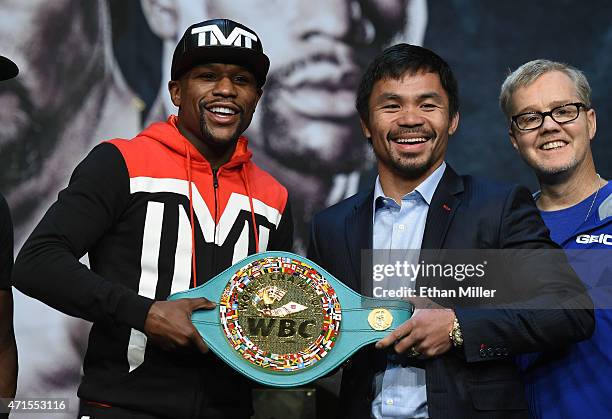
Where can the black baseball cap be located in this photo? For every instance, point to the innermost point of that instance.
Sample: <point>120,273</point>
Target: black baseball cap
<point>220,41</point>
<point>8,69</point>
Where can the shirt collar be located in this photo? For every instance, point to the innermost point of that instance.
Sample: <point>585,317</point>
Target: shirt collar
<point>426,189</point>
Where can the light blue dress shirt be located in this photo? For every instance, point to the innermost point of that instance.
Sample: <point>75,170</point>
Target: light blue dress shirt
<point>400,392</point>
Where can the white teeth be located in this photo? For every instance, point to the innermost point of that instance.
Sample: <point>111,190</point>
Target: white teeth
<point>411,140</point>
<point>226,111</point>
<point>552,144</point>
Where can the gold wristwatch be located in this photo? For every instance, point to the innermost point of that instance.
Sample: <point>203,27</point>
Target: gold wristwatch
<point>455,334</point>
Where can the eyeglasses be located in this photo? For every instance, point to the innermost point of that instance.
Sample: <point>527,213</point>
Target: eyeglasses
<point>561,114</point>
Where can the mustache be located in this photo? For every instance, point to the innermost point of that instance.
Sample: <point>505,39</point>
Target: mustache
<point>203,104</point>
<point>401,132</point>
<point>316,58</point>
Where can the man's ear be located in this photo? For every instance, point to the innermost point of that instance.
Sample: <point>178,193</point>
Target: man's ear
<point>162,17</point>
<point>512,137</point>
<point>454,124</point>
<point>365,129</point>
<point>591,122</point>
<point>174,87</point>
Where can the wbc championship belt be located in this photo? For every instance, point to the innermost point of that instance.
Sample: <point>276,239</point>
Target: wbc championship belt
<point>283,321</point>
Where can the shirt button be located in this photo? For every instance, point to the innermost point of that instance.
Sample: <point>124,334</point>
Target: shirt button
<point>401,226</point>
<point>389,402</point>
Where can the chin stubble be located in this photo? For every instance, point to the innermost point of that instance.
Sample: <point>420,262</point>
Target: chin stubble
<point>281,144</point>
<point>553,171</point>
<point>207,136</point>
<point>411,169</point>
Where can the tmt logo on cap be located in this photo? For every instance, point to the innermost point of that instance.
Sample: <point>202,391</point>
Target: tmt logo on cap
<point>239,37</point>
<point>220,41</point>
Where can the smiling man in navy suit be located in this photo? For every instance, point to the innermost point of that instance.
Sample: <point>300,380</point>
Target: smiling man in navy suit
<point>451,360</point>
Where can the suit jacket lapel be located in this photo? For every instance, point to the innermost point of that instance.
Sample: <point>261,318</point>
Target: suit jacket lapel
<point>359,234</point>
<point>444,203</point>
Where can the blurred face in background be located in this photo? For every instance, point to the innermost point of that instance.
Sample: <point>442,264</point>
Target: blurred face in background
<point>57,47</point>
<point>317,48</point>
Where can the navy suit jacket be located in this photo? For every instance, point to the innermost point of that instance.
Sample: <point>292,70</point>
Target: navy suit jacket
<point>480,380</point>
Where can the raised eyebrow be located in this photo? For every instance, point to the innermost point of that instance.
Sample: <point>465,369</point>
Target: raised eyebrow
<point>248,76</point>
<point>551,105</point>
<point>203,70</point>
<point>383,97</point>
<point>558,103</point>
<point>526,111</point>
<point>394,96</point>
<point>430,95</point>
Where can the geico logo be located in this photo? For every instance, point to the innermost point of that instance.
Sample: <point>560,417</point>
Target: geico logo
<point>284,328</point>
<point>592,238</point>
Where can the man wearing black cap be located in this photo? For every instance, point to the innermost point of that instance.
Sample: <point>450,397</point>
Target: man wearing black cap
<point>157,214</point>
<point>8,349</point>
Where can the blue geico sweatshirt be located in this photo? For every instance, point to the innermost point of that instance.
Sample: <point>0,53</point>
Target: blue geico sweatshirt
<point>576,381</point>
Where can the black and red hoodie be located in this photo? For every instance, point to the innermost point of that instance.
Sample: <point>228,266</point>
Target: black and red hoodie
<point>150,212</point>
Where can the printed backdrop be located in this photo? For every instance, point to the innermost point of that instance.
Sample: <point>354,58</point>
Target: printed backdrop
<point>93,70</point>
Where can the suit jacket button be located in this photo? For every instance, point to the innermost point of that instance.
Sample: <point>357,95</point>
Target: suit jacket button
<point>483,353</point>
<point>491,352</point>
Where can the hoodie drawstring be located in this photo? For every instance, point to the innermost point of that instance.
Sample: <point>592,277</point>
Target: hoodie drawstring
<point>191,217</point>
<point>245,179</point>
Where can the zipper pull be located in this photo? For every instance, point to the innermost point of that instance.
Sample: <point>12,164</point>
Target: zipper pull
<point>215,179</point>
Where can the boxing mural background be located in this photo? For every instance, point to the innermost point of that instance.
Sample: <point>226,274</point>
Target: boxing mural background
<point>95,70</point>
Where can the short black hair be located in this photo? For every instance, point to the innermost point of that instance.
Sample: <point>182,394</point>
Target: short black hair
<point>398,59</point>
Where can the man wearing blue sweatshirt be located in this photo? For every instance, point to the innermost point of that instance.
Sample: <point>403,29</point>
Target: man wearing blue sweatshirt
<point>551,125</point>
